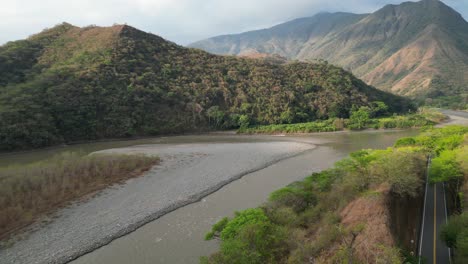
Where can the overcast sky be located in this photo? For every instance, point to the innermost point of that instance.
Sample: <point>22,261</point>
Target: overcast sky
<point>181,21</point>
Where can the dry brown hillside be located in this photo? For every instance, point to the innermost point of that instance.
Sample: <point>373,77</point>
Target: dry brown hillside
<point>417,49</point>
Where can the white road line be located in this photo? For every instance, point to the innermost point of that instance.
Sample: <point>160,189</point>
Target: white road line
<point>424,211</point>
<point>446,219</point>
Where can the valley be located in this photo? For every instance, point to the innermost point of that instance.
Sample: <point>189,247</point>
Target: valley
<point>192,164</point>
<point>339,137</point>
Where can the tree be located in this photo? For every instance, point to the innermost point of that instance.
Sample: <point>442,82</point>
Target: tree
<point>359,118</point>
<point>403,169</point>
<point>244,121</point>
<point>378,109</point>
<point>445,167</point>
<point>215,116</point>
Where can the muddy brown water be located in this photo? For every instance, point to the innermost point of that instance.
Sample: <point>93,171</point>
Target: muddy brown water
<point>177,237</point>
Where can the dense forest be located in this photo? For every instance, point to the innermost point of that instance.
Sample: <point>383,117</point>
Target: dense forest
<point>69,84</point>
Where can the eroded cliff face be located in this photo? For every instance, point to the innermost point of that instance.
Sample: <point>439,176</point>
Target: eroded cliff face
<point>405,218</point>
<point>464,200</point>
<point>378,223</point>
<point>372,213</point>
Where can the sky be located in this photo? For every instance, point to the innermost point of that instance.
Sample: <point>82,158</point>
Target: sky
<point>181,21</point>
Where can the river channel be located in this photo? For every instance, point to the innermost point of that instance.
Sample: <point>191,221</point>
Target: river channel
<point>177,237</point>
<point>125,224</point>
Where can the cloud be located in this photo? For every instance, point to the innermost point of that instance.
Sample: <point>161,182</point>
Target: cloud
<point>182,21</point>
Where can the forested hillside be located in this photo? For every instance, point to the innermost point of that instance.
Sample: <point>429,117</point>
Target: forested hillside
<point>70,84</point>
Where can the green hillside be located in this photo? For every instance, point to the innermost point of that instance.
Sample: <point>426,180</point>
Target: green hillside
<point>69,84</point>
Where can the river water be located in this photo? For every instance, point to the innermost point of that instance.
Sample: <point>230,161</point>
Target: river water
<point>177,237</point>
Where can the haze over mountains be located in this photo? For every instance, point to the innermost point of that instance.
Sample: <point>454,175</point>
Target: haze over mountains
<point>417,49</point>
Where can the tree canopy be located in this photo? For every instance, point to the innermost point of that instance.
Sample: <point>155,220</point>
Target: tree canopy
<point>70,84</point>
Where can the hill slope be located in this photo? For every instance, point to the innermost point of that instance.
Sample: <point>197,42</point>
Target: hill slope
<point>414,49</point>
<point>69,84</point>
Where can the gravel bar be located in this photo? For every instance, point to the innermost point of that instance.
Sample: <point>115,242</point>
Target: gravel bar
<point>187,173</point>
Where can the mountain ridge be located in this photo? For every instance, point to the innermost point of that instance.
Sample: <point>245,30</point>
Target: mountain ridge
<point>369,44</point>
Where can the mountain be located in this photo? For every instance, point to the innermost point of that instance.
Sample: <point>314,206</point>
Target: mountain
<point>417,49</point>
<point>70,84</point>
<point>286,39</point>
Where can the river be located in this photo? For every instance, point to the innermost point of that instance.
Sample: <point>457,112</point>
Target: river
<point>177,236</point>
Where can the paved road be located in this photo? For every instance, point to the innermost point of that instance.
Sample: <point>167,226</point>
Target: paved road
<point>455,113</point>
<point>432,250</point>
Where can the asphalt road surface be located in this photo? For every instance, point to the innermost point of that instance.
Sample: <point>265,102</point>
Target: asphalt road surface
<point>431,249</point>
<point>455,113</point>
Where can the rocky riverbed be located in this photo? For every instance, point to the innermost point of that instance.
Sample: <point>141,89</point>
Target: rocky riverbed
<point>188,172</point>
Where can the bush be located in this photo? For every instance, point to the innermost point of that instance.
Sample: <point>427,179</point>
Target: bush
<point>445,167</point>
<point>403,169</point>
<point>217,228</point>
<point>407,141</point>
<point>294,196</point>
<point>247,217</point>
<point>455,235</point>
<point>250,237</point>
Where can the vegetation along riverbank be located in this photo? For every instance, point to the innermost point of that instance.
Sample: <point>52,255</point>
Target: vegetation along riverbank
<point>31,191</point>
<point>374,117</point>
<point>358,211</point>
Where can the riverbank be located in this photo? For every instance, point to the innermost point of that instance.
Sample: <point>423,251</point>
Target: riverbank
<point>345,214</point>
<point>188,172</point>
<point>421,119</point>
<point>177,237</point>
<point>32,191</point>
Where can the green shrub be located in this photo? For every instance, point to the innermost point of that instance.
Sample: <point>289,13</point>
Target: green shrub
<point>217,228</point>
<point>248,217</point>
<point>250,237</point>
<point>445,167</point>
<point>322,180</point>
<point>357,121</point>
<point>406,141</point>
<point>455,235</point>
<point>283,216</point>
<point>402,168</point>
<point>295,196</point>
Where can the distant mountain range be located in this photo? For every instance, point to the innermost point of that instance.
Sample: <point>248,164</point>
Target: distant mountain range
<point>70,84</point>
<point>417,49</point>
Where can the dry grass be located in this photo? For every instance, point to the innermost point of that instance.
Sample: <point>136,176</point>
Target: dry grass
<point>28,192</point>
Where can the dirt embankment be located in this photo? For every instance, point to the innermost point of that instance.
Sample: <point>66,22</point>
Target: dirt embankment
<point>378,222</point>
<point>465,194</point>
<point>406,213</point>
